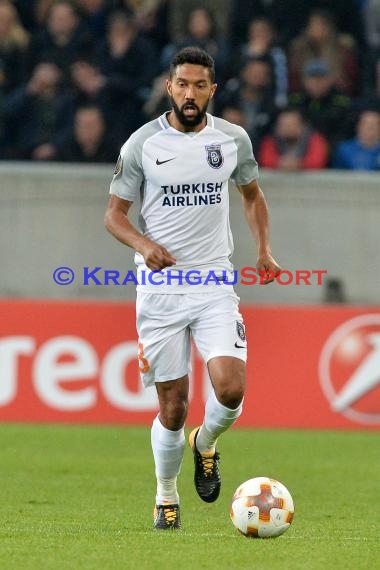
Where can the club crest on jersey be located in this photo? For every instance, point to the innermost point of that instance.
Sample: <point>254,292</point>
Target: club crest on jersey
<point>240,330</point>
<point>214,155</point>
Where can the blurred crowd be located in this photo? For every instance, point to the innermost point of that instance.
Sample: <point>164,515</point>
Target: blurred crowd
<point>301,76</point>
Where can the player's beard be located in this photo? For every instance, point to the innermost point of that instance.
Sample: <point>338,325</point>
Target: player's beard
<point>189,122</point>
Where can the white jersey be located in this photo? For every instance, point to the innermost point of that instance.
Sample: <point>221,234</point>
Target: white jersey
<point>182,180</point>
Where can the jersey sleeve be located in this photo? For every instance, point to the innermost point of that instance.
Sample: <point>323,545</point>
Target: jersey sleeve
<point>247,169</point>
<point>128,175</point>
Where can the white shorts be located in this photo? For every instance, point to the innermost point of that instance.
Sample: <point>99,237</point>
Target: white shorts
<point>166,324</point>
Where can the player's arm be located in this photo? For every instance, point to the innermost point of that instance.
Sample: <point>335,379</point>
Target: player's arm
<point>256,213</point>
<point>118,224</point>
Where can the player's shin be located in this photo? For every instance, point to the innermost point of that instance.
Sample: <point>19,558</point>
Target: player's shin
<point>218,419</point>
<point>168,447</point>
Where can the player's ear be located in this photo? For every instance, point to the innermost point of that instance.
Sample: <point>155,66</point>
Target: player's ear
<point>213,89</point>
<point>169,86</point>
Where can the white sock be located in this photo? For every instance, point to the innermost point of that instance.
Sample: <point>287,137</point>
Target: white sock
<point>168,447</point>
<point>218,419</point>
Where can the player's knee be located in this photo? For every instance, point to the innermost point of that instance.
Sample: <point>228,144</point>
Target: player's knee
<point>231,396</point>
<point>173,413</point>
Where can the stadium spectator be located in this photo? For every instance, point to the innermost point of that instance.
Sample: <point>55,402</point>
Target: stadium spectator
<point>64,39</point>
<point>90,87</point>
<point>289,17</point>
<point>118,78</point>
<point>362,152</point>
<point>253,93</point>
<point>95,14</point>
<point>371,81</point>
<point>201,32</point>
<point>13,44</point>
<point>25,10</point>
<point>89,140</point>
<point>127,61</point>
<point>377,77</point>
<point>87,80</point>
<point>126,85</point>
<point>234,115</point>
<point>157,102</point>
<point>40,14</point>
<point>179,11</point>
<point>347,15</point>
<point>262,43</point>
<point>37,116</point>
<point>328,110</point>
<point>320,40</point>
<point>372,23</point>
<point>294,145</point>
<point>241,15</point>
<point>152,17</point>
<point>34,13</point>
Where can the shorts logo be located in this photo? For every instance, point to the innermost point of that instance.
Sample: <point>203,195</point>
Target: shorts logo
<point>214,155</point>
<point>144,366</point>
<point>240,331</point>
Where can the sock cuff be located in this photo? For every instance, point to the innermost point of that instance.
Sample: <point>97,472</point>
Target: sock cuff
<point>165,435</point>
<point>228,413</point>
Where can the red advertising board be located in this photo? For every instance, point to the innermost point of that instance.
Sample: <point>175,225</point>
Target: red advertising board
<point>308,367</point>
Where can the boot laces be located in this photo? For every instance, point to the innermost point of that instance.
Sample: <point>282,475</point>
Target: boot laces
<point>170,514</point>
<point>208,464</point>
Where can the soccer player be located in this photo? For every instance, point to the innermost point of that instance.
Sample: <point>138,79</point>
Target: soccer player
<point>180,165</point>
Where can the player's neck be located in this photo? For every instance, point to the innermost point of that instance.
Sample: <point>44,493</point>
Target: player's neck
<point>176,124</point>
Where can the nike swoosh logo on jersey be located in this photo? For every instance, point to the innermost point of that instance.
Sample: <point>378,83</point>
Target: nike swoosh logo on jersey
<point>159,162</point>
<point>238,345</point>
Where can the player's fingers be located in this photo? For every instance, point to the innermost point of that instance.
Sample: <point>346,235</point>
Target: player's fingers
<point>159,261</point>
<point>168,257</point>
<point>266,276</point>
<point>153,266</point>
<point>272,273</point>
<point>165,263</point>
<point>167,260</point>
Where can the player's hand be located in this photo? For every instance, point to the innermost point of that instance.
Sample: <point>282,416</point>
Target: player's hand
<point>157,257</point>
<point>268,268</point>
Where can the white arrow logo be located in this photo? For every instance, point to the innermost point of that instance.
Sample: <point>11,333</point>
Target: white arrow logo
<point>364,379</point>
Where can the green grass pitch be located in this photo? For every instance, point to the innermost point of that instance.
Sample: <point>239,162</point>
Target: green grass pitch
<point>74,497</point>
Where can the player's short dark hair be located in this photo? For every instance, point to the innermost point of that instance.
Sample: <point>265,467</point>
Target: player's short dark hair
<point>196,56</point>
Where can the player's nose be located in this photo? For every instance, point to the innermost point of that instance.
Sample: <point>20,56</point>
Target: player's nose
<point>190,92</point>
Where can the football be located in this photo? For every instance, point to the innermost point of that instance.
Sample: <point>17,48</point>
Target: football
<point>262,508</point>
